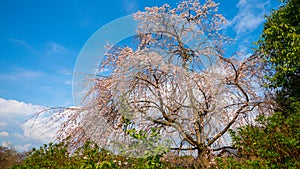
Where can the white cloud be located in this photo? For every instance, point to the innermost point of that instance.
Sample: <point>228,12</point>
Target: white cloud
<point>30,74</point>
<point>130,6</point>
<point>55,48</point>
<point>25,147</point>
<point>9,107</point>
<point>41,129</point>
<point>68,82</point>
<point>20,74</point>
<point>49,48</point>
<point>4,134</point>
<point>250,15</point>
<point>65,71</point>
<point>6,144</point>
<point>2,124</point>
<point>35,128</point>
<point>44,128</point>
<point>18,136</point>
<point>7,77</point>
<point>19,42</point>
<point>26,125</point>
<point>242,2</point>
<point>23,44</point>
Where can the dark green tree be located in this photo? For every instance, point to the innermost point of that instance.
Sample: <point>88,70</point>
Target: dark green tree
<point>280,46</point>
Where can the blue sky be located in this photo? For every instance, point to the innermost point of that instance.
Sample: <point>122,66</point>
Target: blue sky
<point>41,40</point>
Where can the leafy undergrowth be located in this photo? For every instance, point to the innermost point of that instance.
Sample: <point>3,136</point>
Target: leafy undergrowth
<point>56,155</point>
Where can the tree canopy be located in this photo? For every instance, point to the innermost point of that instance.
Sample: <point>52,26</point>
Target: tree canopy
<point>176,84</point>
<point>280,46</point>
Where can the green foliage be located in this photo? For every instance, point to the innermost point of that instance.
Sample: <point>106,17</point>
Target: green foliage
<point>274,143</point>
<point>47,156</point>
<point>150,143</point>
<point>280,45</point>
<point>57,155</point>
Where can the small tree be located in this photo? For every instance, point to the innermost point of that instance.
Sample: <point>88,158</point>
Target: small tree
<point>177,81</point>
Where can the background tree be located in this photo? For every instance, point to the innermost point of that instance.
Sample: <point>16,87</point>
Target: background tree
<point>177,81</point>
<point>280,46</point>
<point>9,157</point>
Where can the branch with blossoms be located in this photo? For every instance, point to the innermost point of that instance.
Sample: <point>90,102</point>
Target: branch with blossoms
<point>177,80</point>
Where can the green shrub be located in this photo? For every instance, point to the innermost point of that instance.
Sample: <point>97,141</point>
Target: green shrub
<point>275,143</point>
<point>57,155</point>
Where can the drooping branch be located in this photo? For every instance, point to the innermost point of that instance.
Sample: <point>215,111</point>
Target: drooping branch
<point>177,77</point>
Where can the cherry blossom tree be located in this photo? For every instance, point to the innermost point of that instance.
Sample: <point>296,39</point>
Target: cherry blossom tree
<point>177,82</point>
